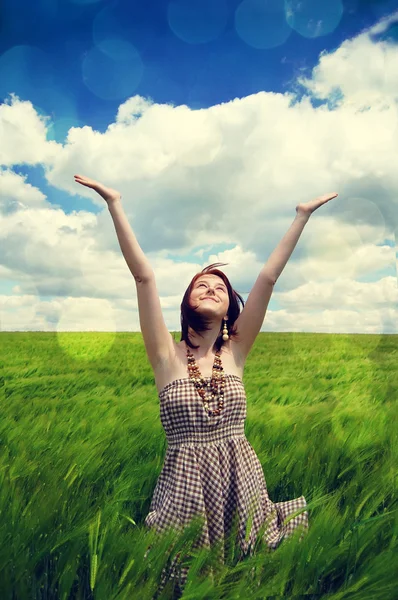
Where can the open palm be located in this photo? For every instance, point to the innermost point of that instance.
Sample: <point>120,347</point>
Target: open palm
<point>107,193</point>
<point>308,208</point>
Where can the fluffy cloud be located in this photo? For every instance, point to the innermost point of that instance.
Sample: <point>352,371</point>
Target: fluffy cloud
<point>23,135</point>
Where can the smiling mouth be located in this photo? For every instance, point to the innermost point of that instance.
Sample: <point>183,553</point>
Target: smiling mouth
<point>210,299</point>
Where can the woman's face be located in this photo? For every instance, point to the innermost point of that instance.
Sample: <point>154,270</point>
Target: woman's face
<point>210,292</point>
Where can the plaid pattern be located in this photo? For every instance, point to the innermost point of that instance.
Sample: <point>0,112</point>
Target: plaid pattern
<point>211,469</point>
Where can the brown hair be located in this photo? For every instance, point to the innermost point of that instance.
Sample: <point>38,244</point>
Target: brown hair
<point>190,317</point>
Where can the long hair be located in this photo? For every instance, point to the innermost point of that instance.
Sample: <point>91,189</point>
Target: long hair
<point>198,322</point>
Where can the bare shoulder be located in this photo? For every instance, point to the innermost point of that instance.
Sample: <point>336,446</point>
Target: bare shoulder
<point>165,369</point>
<point>237,352</point>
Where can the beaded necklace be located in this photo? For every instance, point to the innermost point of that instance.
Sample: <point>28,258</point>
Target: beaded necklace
<point>217,383</point>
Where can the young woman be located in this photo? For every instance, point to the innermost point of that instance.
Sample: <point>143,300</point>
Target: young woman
<point>210,468</point>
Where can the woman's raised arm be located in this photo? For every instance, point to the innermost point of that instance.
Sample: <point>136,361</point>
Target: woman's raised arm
<point>158,341</point>
<point>136,260</point>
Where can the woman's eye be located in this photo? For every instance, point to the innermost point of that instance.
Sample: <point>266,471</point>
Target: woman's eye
<point>219,287</point>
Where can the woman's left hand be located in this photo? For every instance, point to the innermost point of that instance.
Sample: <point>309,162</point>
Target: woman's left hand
<point>308,208</point>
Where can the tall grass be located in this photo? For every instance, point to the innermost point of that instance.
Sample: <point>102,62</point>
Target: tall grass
<point>81,447</point>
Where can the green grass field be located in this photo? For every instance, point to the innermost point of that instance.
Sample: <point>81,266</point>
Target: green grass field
<point>81,447</point>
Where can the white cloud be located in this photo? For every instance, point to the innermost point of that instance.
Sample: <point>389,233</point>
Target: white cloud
<point>17,194</point>
<point>229,174</point>
<point>363,70</point>
<point>23,134</point>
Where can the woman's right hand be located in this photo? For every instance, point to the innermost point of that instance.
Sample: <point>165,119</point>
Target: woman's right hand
<point>108,194</point>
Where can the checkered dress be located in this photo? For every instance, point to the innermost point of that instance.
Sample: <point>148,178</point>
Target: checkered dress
<point>211,469</point>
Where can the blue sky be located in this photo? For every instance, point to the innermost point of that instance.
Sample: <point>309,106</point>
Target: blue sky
<point>214,119</point>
